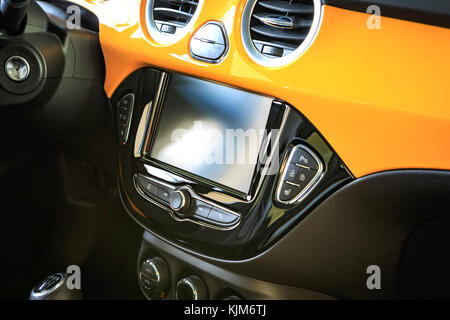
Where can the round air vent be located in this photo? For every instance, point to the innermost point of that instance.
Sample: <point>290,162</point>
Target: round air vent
<point>276,32</point>
<point>168,20</point>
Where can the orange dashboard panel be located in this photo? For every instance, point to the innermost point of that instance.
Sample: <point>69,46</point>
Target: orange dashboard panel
<point>380,97</point>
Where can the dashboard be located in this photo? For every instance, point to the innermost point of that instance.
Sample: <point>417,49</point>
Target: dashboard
<point>336,84</point>
<point>261,141</point>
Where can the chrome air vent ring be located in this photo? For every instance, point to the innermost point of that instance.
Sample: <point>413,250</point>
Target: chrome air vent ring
<point>168,21</point>
<point>279,18</point>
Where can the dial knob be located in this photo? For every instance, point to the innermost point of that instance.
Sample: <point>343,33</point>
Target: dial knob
<point>192,288</point>
<point>180,201</point>
<point>154,278</point>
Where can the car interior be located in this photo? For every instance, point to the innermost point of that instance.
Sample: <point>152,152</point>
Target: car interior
<point>225,150</point>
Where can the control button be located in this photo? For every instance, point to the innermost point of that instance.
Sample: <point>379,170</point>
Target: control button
<point>272,51</point>
<point>125,109</point>
<point>292,172</point>
<point>288,191</point>
<point>222,217</point>
<point>207,50</point>
<point>163,194</point>
<point>304,177</point>
<point>123,132</point>
<point>127,101</point>
<point>304,158</point>
<point>180,201</point>
<point>123,115</point>
<point>202,209</point>
<point>165,28</point>
<point>191,288</point>
<point>148,186</point>
<point>209,42</point>
<point>176,201</point>
<point>154,277</point>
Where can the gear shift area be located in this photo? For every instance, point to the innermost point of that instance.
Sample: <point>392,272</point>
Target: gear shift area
<point>54,287</point>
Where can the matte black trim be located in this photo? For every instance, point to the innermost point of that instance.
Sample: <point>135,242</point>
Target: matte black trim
<point>216,278</point>
<point>432,12</point>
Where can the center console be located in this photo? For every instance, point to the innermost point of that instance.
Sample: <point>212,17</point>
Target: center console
<point>214,170</point>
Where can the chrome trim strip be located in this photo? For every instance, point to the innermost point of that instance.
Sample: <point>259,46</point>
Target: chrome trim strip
<point>275,149</point>
<point>165,175</point>
<point>154,115</point>
<point>309,187</point>
<point>142,130</point>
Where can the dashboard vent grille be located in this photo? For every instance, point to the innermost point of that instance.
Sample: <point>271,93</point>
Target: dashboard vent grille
<point>279,27</point>
<point>170,15</point>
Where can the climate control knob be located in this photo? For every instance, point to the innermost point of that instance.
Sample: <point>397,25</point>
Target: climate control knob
<point>180,201</point>
<point>154,278</point>
<point>192,288</point>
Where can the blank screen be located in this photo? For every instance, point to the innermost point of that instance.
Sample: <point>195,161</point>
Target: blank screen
<point>212,131</point>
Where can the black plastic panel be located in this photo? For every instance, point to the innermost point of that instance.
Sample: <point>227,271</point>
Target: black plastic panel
<point>433,12</point>
<point>263,221</point>
<point>220,282</point>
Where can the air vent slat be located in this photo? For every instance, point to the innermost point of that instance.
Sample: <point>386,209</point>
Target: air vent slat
<point>281,34</point>
<point>181,2</point>
<point>284,22</point>
<point>172,13</point>
<point>288,6</point>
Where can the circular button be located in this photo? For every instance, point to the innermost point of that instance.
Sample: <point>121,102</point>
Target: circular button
<point>191,288</point>
<point>154,278</point>
<point>180,201</point>
<point>17,68</point>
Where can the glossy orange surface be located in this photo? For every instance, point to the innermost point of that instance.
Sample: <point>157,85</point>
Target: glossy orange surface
<point>381,98</point>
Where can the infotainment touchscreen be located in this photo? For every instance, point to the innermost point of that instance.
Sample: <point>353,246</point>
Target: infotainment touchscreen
<point>211,131</point>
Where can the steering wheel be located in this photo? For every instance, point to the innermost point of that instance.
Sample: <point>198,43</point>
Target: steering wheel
<point>44,63</point>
